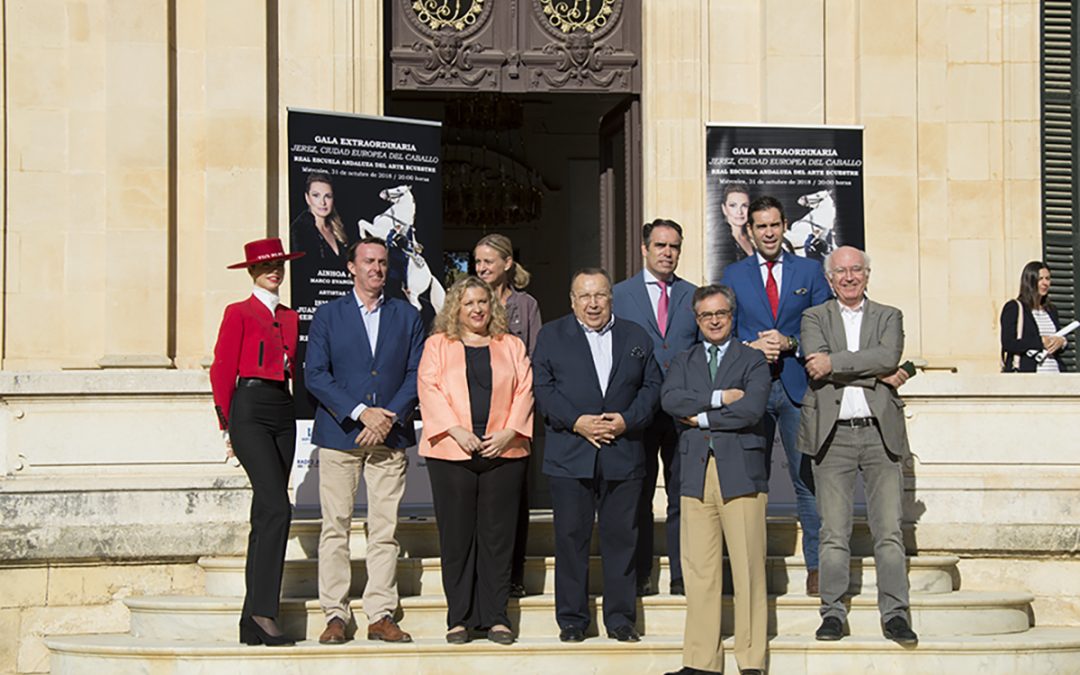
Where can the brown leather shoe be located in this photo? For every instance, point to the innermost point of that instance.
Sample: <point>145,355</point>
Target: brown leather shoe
<point>386,629</point>
<point>334,633</point>
<point>812,587</point>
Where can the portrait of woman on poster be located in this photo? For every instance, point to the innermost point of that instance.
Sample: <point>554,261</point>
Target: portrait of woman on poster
<point>319,231</point>
<point>734,207</point>
<point>254,360</point>
<point>476,401</point>
<point>1028,324</point>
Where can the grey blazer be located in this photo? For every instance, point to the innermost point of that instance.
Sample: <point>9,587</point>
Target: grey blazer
<point>735,430</point>
<point>881,342</point>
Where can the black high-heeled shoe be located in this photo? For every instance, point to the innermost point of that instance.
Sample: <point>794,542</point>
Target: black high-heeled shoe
<point>251,633</point>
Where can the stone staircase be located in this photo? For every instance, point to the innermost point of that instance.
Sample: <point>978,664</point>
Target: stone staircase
<point>960,631</point>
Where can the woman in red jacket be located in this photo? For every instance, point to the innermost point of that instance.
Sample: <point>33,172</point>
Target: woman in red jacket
<point>254,358</point>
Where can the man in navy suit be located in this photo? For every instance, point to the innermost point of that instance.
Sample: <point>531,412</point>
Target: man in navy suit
<point>659,302</point>
<point>773,288</point>
<point>362,356</point>
<point>598,387</point>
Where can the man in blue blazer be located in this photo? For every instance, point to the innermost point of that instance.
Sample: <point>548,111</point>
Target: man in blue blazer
<point>598,387</point>
<point>659,302</point>
<point>362,356</point>
<point>773,288</point>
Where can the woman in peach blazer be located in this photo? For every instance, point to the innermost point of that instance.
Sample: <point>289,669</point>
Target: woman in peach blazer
<point>475,386</point>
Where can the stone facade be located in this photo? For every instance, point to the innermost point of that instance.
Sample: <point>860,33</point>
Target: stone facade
<point>151,134</point>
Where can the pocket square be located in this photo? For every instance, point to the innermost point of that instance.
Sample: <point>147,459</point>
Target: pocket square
<point>637,353</point>
<point>801,291</point>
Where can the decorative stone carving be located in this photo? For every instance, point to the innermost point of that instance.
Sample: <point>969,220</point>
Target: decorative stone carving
<point>580,60</point>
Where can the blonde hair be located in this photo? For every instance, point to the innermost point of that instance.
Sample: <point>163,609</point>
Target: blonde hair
<point>501,244</point>
<point>448,319</point>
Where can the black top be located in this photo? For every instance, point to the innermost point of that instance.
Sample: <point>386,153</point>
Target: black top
<point>1018,351</point>
<point>478,375</point>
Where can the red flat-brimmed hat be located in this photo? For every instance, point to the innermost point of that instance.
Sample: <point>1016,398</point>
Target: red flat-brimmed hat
<point>264,250</point>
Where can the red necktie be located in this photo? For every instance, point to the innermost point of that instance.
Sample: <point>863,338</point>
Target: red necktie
<point>661,309</point>
<point>771,290</point>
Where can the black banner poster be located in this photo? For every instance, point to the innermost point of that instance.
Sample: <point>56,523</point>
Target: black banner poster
<point>351,176</point>
<point>815,172</point>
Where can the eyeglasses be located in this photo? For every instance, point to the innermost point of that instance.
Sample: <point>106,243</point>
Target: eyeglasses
<point>590,297</point>
<point>855,270</point>
<point>718,314</point>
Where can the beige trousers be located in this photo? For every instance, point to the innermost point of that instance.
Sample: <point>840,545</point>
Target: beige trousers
<point>383,469</point>
<point>704,525</point>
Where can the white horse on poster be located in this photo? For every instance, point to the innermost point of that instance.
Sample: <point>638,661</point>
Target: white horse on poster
<point>812,235</point>
<point>395,226</point>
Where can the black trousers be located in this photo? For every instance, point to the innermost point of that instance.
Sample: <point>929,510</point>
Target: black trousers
<point>661,441</point>
<point>476,507</point>
<point>521,531</point>
<point>262,428</point>
<point>575,503</point>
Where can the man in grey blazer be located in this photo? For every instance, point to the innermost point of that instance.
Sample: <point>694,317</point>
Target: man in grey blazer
<point>852,420</point>
<point>718,390</point>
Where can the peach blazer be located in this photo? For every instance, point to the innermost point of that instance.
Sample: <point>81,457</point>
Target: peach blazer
<point>444,395</point>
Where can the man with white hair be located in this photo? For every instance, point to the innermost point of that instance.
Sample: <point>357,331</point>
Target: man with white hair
<point>852,421</point>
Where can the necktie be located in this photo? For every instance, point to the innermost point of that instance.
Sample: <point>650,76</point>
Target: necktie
<point>713,362</point>
<point>661,309</point>
<point>771,290</point>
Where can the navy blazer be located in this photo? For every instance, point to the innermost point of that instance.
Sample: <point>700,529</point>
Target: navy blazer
<point>630,300</point>
<point>566,387</point>
<point>341,372</point>
<point>735,430</point>
<point>802,286</point>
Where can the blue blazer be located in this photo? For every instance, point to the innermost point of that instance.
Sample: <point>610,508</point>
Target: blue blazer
<point>735,430</point>
<point>630,300</point>
<point>802,286</point>
<point>565,387</point>
<point>341,372</point>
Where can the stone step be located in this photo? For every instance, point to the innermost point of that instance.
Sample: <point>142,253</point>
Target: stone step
<point>945,614</point>
<point>1040,650</point>
<point>418,537</point>
<point>423,576</point>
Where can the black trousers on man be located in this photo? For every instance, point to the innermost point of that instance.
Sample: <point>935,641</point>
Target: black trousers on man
<point>476,507</point>
<point>575,503</point>
<point>262,429</point>
<point>661,441</point>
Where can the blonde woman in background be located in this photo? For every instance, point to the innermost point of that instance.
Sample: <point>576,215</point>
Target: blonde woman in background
<point>495,264</point>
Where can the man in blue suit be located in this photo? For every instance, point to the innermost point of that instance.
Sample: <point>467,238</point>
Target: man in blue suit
<point>772,289</point>
<point>598,387</point>
<point>362,356</point>
<point>659,302</point>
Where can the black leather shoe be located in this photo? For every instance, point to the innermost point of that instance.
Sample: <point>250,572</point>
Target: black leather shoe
<point>898,630</point>
<point>831,629</point>
<point>677,587</point>
<point>458,637</point>
<point>501,637</point>
<point>752,671</point>
<point>645,587</point>
<point>572,634</point>
<point>624,634</point>
<point>252,633</point>
<point>687,670</point>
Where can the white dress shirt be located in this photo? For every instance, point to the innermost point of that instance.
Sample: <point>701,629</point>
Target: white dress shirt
<point>270,300</point>
<point>600,346</point>
<point>777,270</point>
<point>371,325</point>
<point>652,286</point>
<point>853,404</point>
<point>717,400</point>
